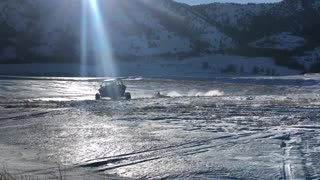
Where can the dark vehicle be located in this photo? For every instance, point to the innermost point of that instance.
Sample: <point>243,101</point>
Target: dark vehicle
<point>114,89</point>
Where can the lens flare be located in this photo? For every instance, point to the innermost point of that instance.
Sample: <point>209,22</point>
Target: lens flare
<point>95,41</point>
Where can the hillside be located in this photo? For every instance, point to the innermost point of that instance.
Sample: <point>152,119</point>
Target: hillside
<point>284,30</point>
<point>38,29</point>
<point>49,31</point>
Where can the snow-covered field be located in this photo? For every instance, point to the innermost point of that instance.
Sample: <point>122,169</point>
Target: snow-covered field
<point>202,67</point>
<point>231,128</point>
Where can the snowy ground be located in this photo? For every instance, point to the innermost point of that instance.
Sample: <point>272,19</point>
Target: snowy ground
<point>203,67</point>
<point>248,128</point>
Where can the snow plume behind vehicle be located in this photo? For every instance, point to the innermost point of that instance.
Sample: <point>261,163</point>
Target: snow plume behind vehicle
<point>195,93</point>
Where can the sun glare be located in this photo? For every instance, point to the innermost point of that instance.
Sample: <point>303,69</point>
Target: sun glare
<point>95,42</point>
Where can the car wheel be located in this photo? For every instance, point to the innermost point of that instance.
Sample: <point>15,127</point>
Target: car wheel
<point>98,96</point>
<point>127,96</point>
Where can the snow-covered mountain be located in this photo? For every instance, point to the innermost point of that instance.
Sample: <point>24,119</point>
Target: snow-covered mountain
<point>284,30</point>
<point>135,27</point>
<point>49,30</point>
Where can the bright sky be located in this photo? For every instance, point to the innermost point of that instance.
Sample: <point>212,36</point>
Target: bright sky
<point>193,2</point>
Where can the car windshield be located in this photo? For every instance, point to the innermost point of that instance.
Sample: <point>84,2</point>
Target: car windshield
<point>119,82</point>
<point>106,83</point>
<point>115,82</point>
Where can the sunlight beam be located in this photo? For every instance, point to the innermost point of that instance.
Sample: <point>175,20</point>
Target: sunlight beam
<point>84,40</point>
<point>95,31</point>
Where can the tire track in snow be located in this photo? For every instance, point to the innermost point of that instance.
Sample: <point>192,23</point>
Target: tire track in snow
<point>286,167</point>
<point>185,149</point>
<point>296,156</point>
<point>24,116</point>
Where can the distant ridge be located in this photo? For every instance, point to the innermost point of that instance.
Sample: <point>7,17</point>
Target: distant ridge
<point>34,31</point>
